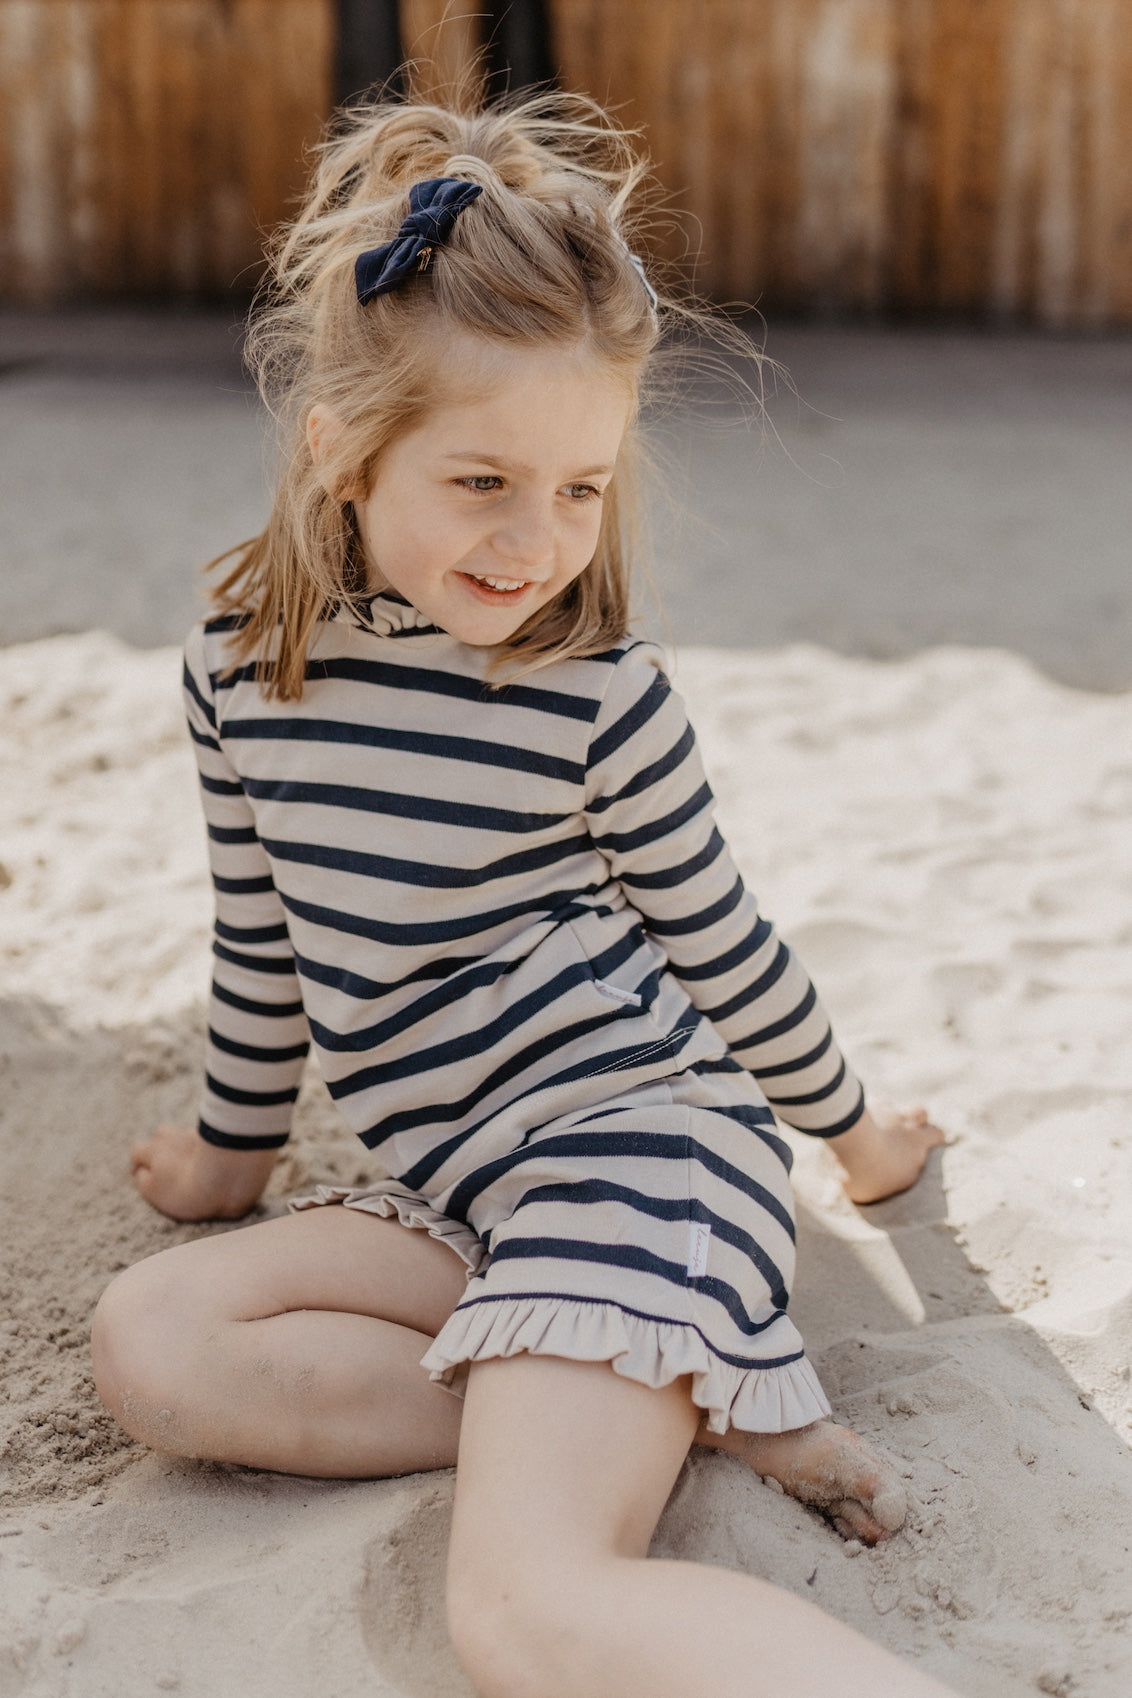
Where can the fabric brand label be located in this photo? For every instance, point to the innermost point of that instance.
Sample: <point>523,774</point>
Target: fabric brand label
<point>699,1237</point>
<point>631,999</point>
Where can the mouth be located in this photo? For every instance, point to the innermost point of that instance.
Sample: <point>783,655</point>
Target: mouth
<point>490,587</point>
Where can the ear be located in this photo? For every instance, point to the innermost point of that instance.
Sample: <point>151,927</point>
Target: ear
<point>323,429</point>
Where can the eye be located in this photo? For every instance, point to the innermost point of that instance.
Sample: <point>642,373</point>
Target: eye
<point>583,492</point>
<point>483,483</point>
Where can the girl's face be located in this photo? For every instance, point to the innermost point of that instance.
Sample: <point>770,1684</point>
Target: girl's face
<point>490,507</point>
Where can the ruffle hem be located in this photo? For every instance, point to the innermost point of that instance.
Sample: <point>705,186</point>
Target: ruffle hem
<point>409,1208</point>
<point>755,1400</point>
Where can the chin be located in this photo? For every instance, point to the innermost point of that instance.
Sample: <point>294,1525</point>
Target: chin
<point>480,639</point>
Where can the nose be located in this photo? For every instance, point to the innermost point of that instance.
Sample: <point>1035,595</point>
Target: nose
<point>525,533</point>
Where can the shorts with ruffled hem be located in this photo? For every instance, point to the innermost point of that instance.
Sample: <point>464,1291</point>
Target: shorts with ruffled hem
<point>655,1233</point>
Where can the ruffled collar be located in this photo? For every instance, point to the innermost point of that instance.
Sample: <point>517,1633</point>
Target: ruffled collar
<point>384,613</point>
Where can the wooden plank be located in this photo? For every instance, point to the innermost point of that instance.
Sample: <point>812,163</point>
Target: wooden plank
<point>33,146</point>
<point>965,157</point>
<point>442,38</point>
<point>965,53</point>
<point>146,144</point>
<point>1065,243</point>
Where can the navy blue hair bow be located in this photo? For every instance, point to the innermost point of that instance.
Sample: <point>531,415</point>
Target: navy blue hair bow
<point>434,207</point>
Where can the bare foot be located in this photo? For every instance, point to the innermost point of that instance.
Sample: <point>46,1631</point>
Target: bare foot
<point>830,1468</point>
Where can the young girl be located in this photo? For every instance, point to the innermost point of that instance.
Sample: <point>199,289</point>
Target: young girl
<point>461,840</point>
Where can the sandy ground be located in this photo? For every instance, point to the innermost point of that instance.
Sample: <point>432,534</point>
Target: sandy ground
<point>943,831</point>
<point>945,839</point>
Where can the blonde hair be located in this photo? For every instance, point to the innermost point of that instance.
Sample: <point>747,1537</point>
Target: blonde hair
<point>540,257</point>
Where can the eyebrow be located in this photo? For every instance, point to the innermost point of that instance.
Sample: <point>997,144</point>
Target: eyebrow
<point>516,466</point>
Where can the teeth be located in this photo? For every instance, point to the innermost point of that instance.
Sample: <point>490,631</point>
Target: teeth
<point>500,583</point>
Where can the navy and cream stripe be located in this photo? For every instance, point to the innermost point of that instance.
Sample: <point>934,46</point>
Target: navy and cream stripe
<point>433,879</point>
<point>537,989</point>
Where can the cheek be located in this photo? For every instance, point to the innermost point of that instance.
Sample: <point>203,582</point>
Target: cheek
<point>398,535</point>
<point>586,539</point>
<point>365,520</point>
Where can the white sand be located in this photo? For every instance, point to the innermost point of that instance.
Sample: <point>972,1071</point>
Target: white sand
<point>946,841</point>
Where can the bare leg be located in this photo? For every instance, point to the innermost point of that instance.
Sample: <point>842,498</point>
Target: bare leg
<point>294,1344</point>
<point>564,1469</point>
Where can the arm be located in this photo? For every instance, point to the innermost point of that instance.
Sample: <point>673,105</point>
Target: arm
<point>258,1037</point>
<point>650,813</point>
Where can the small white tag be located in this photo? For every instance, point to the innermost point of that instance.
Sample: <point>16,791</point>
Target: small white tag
<point>616,994</point>
<point>699,1237</point>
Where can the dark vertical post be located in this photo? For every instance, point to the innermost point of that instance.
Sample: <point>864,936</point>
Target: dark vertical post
<point>518,43</point>
<point>369,47</point>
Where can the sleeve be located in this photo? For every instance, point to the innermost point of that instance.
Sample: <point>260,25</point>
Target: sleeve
<point>257,1031</point>
<point>649,810</point>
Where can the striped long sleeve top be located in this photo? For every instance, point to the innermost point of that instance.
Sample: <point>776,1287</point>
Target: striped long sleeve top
<point>472,900</point>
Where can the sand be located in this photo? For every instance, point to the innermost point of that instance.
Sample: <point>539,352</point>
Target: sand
<point>944,838</point>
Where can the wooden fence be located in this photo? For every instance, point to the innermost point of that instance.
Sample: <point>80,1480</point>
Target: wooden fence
<point>144,144</point>
<point>921,156</point>
<point>969,157</point>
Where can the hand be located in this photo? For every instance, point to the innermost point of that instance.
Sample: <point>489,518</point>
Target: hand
<point>885,1151</point>
<point>188,1179</point>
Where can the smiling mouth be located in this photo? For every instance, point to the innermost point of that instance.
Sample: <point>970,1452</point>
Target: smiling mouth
<point>498,589</point>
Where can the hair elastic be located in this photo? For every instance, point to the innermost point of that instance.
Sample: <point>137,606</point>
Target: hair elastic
<point>434,207</point>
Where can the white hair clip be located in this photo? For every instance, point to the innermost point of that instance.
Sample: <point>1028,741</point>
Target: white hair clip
<point>638,267</point>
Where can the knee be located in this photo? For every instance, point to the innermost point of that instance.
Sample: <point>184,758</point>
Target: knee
<point>488,1626</point>
<point>135,1344</point>
<point>512,1631</point>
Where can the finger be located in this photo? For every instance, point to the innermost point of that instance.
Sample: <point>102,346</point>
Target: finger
<point>143,1153</point>
<point>145,1149</point>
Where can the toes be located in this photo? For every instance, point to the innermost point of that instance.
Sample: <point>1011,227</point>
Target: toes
<point>877,1490</point>
<point>874,1502</point>
<point>876,1511</point>
<point>890,1505</point>
<point>830,1469</point>
<point>853,1521</point>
